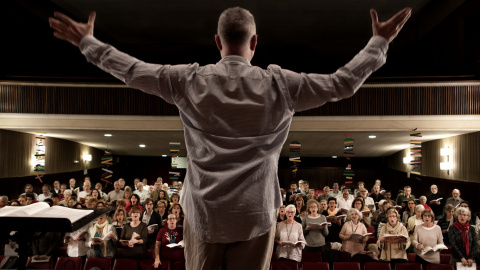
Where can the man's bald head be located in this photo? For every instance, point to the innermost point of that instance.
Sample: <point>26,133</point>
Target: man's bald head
<point>236,26</point>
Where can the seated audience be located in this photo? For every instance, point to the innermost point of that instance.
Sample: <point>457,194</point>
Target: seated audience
<point>393,250</point>
<point>134,236</point>
<point>102,238</point>
<point>288,233</point>
<point>151,218</point>
<point>314,233</point>
<point>462,238</point>
<point>427,235</point>
<point>168,235</point>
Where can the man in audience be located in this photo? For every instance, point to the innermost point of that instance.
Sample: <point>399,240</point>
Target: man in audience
<point>345,202</point>
<point>156,190</point>
<point>368,200</point>
<point>29,189</point>
<point>121,181</point>
<point>376,195</point>
<point>72,183</point>
<point>86,191</point>
<point>166,187</point>
<point>56,187</point>
<point>311,194</point>
<point>99,187</point>
<point>336,193</point>
<point>253,148</point>
<point>306,187</point>
<point>300,185</point>
<point>55,199</point>
<point>387,194</point>
<point>66,196</point>
<point>91,203</point>
<point>434,202</point>
<point>145,183</point>
<point>116,193</point>
<point>290,197</point>
<point>455,200</point>
<point>407,195</point>
<point>325,195</point>
<point>3,201</point>
<point>180,188</point>
<point>30,197</point>
<point>135,183</point>
<point>61,194</point>
<point>361,185</point>
<point>141,192</point>
<point>45,193</point>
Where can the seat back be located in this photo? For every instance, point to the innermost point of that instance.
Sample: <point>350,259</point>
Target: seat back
<point>346,266</point>
<point>411,257</point>
<point>376,266</point>
<point>408,266</point>
<point>311,256</point>
<point>68,263</point>
<point>445,258</point>
<point>40,265</point>
<point>103,263</point>
<point>284,265</point>
<point>125,264</point>
<point>315,266</point>
<point>440,267</point>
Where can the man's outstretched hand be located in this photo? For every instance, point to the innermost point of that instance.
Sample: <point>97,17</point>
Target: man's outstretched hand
<point>70,30</point>
<point>390,29</point>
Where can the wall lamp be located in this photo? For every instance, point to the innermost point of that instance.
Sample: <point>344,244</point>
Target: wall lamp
<point>447,165</point>
<point>87,157</point>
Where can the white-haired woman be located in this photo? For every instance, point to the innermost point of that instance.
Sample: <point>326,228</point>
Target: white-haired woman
<point>351,241</point>
<point>415,220</point>
<point>289,237</point>
<point>423,201</point>
<point>313,232</point>
<point>66,196</point>
<point>462,238</point>
<point>427,235</point>
<point>393,249</point>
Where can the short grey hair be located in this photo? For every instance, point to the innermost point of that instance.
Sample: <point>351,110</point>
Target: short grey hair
<point>236,26</point>
<point>67,191</point>
<point>419,207</point>
<point>291,206</point>
<point>463,210</point>
<point>353,209</point>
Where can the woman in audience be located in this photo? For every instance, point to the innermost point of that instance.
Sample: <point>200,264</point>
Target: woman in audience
<point>312,230</point>
<point>134,201</point>
<point>78,206</point>
<point>134,236</point>
<point>445,222</point>
<point>163,195</point>
<point>409,212</point>
<point>462,238</point>
<point>153,221</point>
<point>299,204</point>
<point>359,204</point>
<point>466,204</point>
<point>127,194</point>
<point>102,238</point>
<point>281,214</point>
<point>119,218</point>
<point>289,237</point>
<point>352,241</point>
<point>75,241</point>
<point>96,194</point>
<point>168,235</point>
<point>423,202</point>
<point>175,198</point>
<point>162,209</point>
<point>427,235</point>
<point>67,193</point>
<point>414,221</point>
<point>72,201</point>
<point>393,249</point>
<point>177,210</point>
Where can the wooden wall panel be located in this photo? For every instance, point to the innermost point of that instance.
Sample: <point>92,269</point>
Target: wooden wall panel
<point>465,158</point>
<point>17,150</point>
<point>415,99</point>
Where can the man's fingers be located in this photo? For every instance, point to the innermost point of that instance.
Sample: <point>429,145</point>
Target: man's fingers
<point>401,15</point>
<point>58,25</point>
<point>374,15</point>
<point>62,17</point>
<point>91,17</point>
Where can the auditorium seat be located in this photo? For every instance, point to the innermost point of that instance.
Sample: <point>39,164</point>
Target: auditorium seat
<point>103,263</point>
<point>151,253</point>
<point>315,266</point>
<point>62,252</point>
<point>345,256</point>
<point>68,263</point>
<point>125,264</point>
<point>377,266</point>
<point>411,257</point>
<point>440,267</point>
<point>446,251</point>
<point>445,258</point>
<point>346,266</point>
<point>40,265</point>
<point>284,265</point>
<point>311,256</point>
<point>147,264</point>
<point>408,266</point>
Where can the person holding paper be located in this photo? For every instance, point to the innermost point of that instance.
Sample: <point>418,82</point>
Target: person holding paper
<point>314,227</point>
<point>289,237</point>
<point>353,235</point>
<point>153,221</point>
<point>393,240</point>
<point>102,238</point>
<point>462,238</point>
<point>445,222</point>
<point>365,211</point>
<point>134,236</point>
<point>436,201</point>
<point>169,234</point>
<point>415,221</point>
<point>428,240</point>
<point>75,241</point>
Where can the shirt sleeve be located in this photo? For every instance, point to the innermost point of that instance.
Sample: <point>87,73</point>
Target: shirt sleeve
<point>312,90</point>
<point>150,78</point>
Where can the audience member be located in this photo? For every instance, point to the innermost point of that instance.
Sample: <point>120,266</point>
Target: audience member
<point>313,231</point>
<point>54,198</point>
<point>170,234</point>
<point>177,210</point>
<point>360,206</point>
<point>455,200</point>
<point>116,194</point>
<point>445,221</point>
<point>66,196</point>
<point>414,221</point>
<point>127,194</point>
<point>351,234</point>
<point>30,197</point>
<point>325,195</point>
<point>22,199</point>
<point>3,201</point>
<point>76,246</point>
<point>175,198</point>
<point>393,249</point>
<point>388,195</point>
<point>345,201</point>
<point>102,239</point>
<point>71,185</point>
<point>134,236</point>
<point>282,215</point>
<point>311,194</point>
<point>134,201</point>
<point>86,191</point>
<point>409,212</point>
<point>162,206</point>
<point>91,203</point>
<point>290,197</point>
<point>155,195</point>
<point>427,235</point>
<point>119,218</point>
<point>462,238</point>
<point>376,195</point>
<point>323,206</point>
<point>423,201</point>
<point>153,221</point>
<point>141,192</point>
<point>436,201</point>
<point>29,189</point>
<point>288,233</point>
<point>360,186</point>
<point>122,183</point>
<point>95,193</point>
<point>369,202</point>
<point>56,187</point>
<point>407,195</point>
<point>336,191</point>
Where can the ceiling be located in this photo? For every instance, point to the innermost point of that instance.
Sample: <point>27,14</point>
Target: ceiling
<point>441,42</point>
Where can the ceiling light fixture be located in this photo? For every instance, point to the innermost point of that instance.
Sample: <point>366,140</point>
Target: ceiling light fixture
<point>108,135</point>
<point>164,155</point>
<point>142,145</point>
<point>372,136</point>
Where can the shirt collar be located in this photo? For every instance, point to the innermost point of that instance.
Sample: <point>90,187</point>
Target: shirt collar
<point>235,58</point>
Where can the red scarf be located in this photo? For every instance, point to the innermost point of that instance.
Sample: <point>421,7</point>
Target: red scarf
<point>464,229</point>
